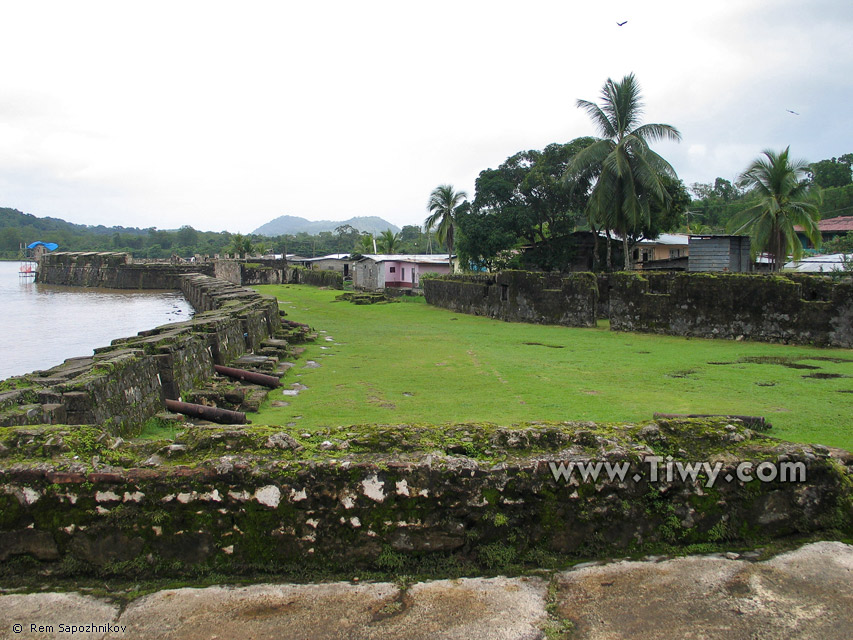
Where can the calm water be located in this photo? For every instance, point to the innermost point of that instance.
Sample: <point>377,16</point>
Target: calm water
<point>42,325</point>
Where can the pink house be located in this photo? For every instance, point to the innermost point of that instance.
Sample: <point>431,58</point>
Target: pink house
<point>396,271</point>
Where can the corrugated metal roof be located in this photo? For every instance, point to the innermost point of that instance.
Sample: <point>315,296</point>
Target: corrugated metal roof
<point>434,258</point>
<point>667,239</point>
<point>818,264</point>
<point>331,256</point>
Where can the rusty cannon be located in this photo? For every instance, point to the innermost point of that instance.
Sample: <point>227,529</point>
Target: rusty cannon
<point>249,376</point>
<point>214,414</point>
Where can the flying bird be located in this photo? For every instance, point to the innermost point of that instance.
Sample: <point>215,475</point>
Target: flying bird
<point>622,24</point>
<point>794,112</point>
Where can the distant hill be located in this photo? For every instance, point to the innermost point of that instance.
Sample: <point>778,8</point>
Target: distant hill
<point>291,225</point>
<point>14,218</point>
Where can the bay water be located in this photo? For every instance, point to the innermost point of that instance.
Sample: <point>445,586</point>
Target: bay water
<point>42,325</point>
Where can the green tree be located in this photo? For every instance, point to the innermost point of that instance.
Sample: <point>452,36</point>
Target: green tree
<point>365,244</point>
<point>484,242</point>
<point>839,244</point>
<point>832,173</point>
<point>388,241</point>
<point>785,198</point>
<point>526,200</point>
<point>240,245</point>
<point>629,174</point>
<point>444,202</point>
<point>347,237</point>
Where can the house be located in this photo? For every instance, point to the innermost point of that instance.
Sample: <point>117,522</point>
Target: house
<point>829,229</point>
<point>339,262</point>
<point>571,252</point>
<point>668,251</point>
<point>719,253</point>
<point>374,271</point>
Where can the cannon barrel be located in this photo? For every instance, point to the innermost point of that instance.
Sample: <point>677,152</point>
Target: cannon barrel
<point>214,414</point>
<point>248,376</point>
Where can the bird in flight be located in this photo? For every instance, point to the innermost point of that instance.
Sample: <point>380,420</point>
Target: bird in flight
<point>622,24</point>
<point>794,112</point>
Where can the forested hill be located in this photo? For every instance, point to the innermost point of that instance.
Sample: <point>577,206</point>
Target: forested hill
<point>293,224</point>
<point>17,229</point>
<point>28,222</point>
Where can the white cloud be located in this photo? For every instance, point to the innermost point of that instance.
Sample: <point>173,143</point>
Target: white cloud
<point>225,116</point>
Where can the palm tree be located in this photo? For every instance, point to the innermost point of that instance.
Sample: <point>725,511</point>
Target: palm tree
<point>785,199</point>
<point>443,204</point>
<point>388,241</point>
<point>240,245</point>
<point>366,243</point>
<point>628,171</point>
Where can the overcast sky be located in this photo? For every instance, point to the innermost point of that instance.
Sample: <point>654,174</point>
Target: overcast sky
<point>226,115</point>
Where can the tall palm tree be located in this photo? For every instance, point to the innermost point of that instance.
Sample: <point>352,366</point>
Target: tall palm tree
<point>785,199</point>
<point>628,171</point>
<point>443,204</point>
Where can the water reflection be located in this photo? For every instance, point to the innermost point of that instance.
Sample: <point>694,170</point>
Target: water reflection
<point>42,325</point>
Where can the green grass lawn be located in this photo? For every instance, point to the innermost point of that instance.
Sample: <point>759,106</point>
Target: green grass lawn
<point>410,362</point>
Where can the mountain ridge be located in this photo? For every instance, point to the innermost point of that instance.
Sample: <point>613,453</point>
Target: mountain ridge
<point>291,225</point>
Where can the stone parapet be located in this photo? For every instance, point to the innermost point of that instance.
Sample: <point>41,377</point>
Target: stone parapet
<point>268,499</point>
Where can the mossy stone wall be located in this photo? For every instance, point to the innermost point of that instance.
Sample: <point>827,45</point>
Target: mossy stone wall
<point>519,296</point>
<point>770,308</point>
<point>112,271</point>
<point>124,384</point>
<point>262,499</point>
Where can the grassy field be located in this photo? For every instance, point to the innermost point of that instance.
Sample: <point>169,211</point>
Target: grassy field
<point>409,362</point>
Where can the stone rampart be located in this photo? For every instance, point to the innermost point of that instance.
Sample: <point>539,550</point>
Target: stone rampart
<point>779,308</point>
<point>519,296</point>
<point>789,308</point>
<point>123,385</point>
<point>252,271</point>
<point>113,271</point>
<point>315,277</point>
<point>274,499</point>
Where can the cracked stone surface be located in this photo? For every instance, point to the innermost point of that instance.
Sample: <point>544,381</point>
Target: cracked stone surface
<point>807,593</point>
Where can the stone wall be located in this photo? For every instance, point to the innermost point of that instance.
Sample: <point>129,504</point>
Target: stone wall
<point>315,277</point>
<point>792,309</point>
<point>113,271</point>
<point>252,271</point>
<point>264,499</point>
<point>123,385</point>
<point>519,296</point>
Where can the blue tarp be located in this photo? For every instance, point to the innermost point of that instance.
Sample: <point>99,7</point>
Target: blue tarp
<point>50,246</point>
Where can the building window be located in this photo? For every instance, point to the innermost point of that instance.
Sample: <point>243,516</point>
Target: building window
<point>403,273</point>
<point>675,253</point>
<point>392,270</point>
